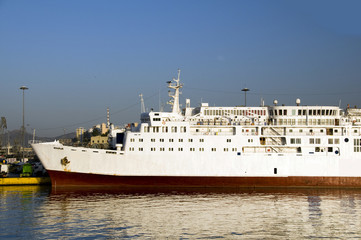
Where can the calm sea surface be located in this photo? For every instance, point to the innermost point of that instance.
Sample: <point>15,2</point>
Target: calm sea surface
<point>43,213</point>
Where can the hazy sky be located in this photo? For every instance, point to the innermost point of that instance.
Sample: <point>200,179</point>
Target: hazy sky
<point>80,57</point>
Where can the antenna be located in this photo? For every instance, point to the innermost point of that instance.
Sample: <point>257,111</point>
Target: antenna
<point>142,107</point>
<point>159,102</point>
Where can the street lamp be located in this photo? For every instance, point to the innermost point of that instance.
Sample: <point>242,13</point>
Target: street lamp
<point>245,90</point>
<point>23,128</point>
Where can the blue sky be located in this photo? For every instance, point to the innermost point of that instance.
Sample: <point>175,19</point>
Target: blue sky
<point>80,57</point>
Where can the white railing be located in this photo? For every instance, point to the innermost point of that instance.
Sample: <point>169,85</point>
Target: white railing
<point>34,141</point>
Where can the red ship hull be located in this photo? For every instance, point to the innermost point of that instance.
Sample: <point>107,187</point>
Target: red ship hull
<point>68,179</point>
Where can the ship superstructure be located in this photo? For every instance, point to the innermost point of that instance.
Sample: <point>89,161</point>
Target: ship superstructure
<point>219,146</point>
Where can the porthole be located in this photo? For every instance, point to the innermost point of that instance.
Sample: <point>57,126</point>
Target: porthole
<point>346,139</point>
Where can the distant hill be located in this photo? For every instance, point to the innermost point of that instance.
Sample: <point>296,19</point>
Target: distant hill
<point>14,137</point>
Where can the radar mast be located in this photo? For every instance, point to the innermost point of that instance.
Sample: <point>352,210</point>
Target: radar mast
<point>175,96</point>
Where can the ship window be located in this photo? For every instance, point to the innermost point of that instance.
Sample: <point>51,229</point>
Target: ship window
<point>337,141</point>
<point>152,140</point>
<point>301,130</point>
<point>355,131</point>
<point>314,112</point>
<point>318,141</point>
<point>161,149</point>
<point>170,149</point>
<point>161,140</point>
<point>213,149</point>
<point>357,147</point>
<point>229,140</point>
<point>276,112</point>
<point>190,140</point>
<point>152,149</point>
<point>234,149</point>
<point>141,149</point>
<point>304,112</point>
<point>201,149</point>
<point>317,149</point>
<point>312,141</point>
<point>285,112</point>
<point>295,140</point>
<point>275,170</point>
<point>310,112</point>
<point>140,139</point>
<point>180,140</point>
<point>330,141</point>
<point>171,140</point>
<point>330,149</point>
<point>156,119</point>
<point>201,140</point>
<point>280,112</point>
<point>323,112</point>
<point>180,149</point>
<point>192,149</point>
<point>225,149</point>
<point>291,130</point>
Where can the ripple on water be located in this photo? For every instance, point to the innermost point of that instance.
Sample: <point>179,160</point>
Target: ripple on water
<point>206,214</point>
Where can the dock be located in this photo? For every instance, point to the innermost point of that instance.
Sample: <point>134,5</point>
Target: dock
<point>11,181</point>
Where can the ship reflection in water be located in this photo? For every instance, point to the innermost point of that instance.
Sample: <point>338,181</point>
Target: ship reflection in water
<point>45,213</point>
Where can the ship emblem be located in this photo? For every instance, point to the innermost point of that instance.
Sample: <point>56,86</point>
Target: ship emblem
<point>64,161</point>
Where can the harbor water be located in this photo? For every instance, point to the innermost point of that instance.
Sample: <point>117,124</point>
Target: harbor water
<point>34,212</point>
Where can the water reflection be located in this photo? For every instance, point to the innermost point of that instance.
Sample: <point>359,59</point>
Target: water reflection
<point>182,213</point>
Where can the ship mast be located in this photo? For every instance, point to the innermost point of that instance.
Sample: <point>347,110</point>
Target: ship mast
<point>176,86</point>
<point>142,107</point>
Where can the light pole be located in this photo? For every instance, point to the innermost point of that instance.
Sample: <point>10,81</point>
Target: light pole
<point>23,128</point>
<point>245,90</point>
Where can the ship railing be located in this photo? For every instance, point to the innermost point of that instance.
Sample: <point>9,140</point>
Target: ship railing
<point>34,141</point>
<point>213,133</point>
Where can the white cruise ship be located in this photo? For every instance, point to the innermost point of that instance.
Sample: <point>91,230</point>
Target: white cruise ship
<point>266,146</point>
